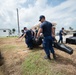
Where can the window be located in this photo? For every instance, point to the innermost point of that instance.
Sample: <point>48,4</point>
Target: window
<point>4,30</point>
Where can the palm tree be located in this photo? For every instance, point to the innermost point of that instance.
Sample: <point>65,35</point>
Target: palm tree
<point>13,30</point>
<point>70,28</point>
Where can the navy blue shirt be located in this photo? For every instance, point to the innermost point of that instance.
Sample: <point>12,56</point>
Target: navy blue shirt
<point>60,33</point>
<point>47,28</point>
<point>28,34</point>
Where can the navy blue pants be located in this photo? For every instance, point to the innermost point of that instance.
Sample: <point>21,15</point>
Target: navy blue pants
<point>47,44</point>
<point>60,39</point>
<point>29,42</point>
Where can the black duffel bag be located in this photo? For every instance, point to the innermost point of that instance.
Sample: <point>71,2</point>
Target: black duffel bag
<point>37,42</point>
<point>64,48</point>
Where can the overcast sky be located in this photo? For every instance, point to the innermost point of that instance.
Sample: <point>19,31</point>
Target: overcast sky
<point>63,12</point>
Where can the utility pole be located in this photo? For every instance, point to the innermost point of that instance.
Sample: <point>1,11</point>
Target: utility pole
<point>18,22</point>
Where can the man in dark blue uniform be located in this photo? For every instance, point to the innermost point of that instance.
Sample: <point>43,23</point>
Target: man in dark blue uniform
<point>28,38</point>
<point>46,29</point>
<point>60,35</point>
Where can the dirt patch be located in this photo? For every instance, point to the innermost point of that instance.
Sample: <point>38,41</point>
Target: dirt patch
<point>14,53</point>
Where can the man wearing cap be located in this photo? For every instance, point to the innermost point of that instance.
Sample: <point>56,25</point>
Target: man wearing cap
<point>61,32</point>
<point>28,38</point>
<point>46,29</point>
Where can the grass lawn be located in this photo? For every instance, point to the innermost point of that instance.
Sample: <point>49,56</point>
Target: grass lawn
<point>19,60</point>
<point>35,64</point>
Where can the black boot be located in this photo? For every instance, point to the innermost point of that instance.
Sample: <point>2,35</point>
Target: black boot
<point>49,57</point>
<point>54,56</point>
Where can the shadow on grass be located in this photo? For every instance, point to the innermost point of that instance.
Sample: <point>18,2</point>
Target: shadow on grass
<point>1,59</point>
<point>66,61</point>
<point>37,49</point>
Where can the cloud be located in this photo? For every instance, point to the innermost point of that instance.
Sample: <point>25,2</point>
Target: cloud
<point>30,10</point>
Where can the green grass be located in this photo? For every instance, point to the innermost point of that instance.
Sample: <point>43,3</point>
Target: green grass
<point>34,64</point>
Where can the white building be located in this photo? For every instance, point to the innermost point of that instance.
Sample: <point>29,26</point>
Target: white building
<point>4,32</point>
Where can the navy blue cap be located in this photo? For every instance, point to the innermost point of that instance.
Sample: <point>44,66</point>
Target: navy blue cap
<point>42,16</point>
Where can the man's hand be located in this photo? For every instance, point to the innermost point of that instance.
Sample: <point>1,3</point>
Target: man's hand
<point>39,31</point>
<point>36,39</point>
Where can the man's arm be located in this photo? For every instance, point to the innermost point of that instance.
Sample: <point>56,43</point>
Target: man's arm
<point>23,36</point>
<point>62,32</point>
<point>53,32</point>
<point>39,31</point>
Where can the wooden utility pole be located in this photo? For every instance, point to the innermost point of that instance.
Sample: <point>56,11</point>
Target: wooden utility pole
<point>18,22</point>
